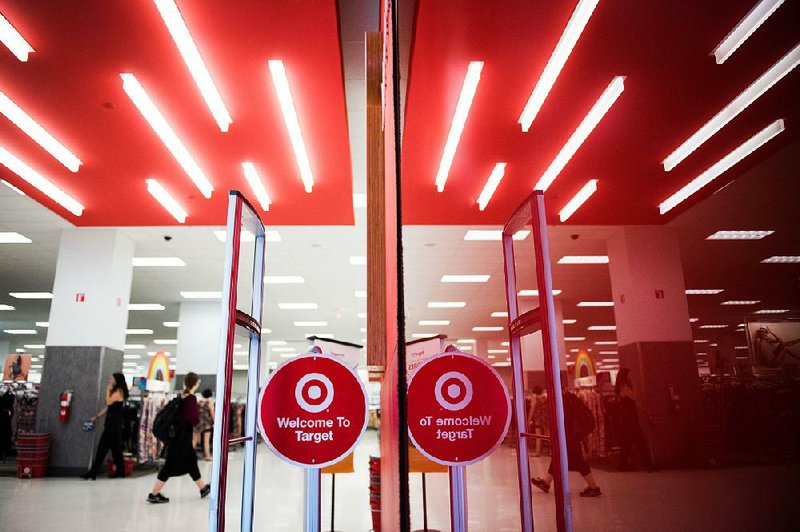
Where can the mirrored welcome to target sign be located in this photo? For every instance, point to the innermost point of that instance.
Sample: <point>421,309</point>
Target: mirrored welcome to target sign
<point>313,410</point>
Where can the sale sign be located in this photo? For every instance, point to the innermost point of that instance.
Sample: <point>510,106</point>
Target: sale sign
<point>458,409</point>
<point>313,410</point>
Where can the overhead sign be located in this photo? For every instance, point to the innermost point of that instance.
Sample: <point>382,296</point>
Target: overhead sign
<point>458,409</point>
<point>313,410</point>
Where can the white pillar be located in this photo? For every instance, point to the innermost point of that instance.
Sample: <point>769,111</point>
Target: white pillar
<point>92,289</point>
<point>198,338</point>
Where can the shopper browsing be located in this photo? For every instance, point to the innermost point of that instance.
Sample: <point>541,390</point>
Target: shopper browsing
<point>206,426</point>
<point>181,456</point>
<point>111,439</point>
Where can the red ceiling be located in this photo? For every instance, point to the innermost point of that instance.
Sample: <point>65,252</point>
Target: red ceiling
<point>71,85</point>
<point>673,86</point>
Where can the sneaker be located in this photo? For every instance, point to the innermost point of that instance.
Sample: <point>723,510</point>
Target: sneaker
<point>205,490</point>
<point>157,498</point>
<point>591,492</point>
<point>89,476</point>
<point>541,484</point>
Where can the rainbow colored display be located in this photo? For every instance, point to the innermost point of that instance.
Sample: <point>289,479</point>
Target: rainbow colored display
<point>159,368</point>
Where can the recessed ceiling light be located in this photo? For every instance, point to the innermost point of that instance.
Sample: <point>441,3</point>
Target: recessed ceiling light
<point>487,329</point>
<point>422,335</point>
<point>609,353</point>
<point>501,364</point>
<point>744,302</point>
<point>493,234</point>
<point>34,346</point>
<point>362,294</point>
<point>466,341</point>
<point>20,331</point>
<point>158,261</point>
<point>606,342</point>
<point>492,357</point>
<point>362,314</point>
<point>769,78</point>
<point>153,116</point>
<point>194,62</point>
<point>771,311</point>
<point>535,293</point>
<point>298,306</point>
<point>595,303</point>
<point>165,341</point>
<point>583,259</point>
<point>166,200</point>
<point>256,185</point>
<point>282,89</point>
<point>499,314</point>
<point>172,324</point>
<point>363,329</point>
<point>491,185</point>
<point>39,182</point>
<point>36,132</point>
<point>434,322</point>
<point>739,153</point>
<point>358,261</point>
<point>504,344</point>
<point>145,306</point>
<point>447,304</point>
<point>742,31</point>
<point>131,357</point>
<point>284,349</point>
<point>572,32</point>
<point>134,346</point>
<point>320,335</point>
<point>694,320</point>
<point>311,324</point>
<point>497,351</point>
<point>10,237</point>
<point>284,279</point>
<point>468,88</point>
<point>31,295</point>
<point>782,259</point>
<point>276,342</point>
<point>138,331</point>
<point>569,321</point>
<point>719,326</point>
<point>596,113</point>
<point>740,347</point>
<point>578,200</point>
<point>739,235</point>
<point>13,40</point>
<point>574,338</point>
<point>701,341</point>
<point>201,295</point>
<point>43,324</point>
<point>703,291</point>
<point>359,201</point>
<point>602,328</point>
<point>465,278</point>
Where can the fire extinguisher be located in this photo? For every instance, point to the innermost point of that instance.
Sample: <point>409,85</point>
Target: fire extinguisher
<point>64,406</point>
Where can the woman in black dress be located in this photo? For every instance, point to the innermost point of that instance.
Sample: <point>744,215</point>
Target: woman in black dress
<point>111,439</point>
<point>181,456</point>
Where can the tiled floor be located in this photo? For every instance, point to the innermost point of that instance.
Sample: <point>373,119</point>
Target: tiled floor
<point>764,498</point>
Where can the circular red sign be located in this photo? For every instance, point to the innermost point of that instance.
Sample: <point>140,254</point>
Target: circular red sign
<point>458,409</point>
<point>312,410</point>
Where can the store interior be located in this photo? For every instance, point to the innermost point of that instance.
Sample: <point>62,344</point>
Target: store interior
<point>723,413</point>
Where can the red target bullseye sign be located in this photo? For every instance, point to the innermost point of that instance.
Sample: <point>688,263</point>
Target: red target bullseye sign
<point>458,409</point>
<point>312,410</point>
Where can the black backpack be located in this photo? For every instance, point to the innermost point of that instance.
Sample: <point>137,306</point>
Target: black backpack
<point>578,415</point>
<point>164,425</point>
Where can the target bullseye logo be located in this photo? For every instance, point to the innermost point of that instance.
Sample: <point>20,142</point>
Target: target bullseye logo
<point>453,391</point>
<point>314,392</point>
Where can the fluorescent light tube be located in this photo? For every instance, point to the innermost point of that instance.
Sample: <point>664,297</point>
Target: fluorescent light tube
<point>298,306</point>
<point>39,182</point>
<point>39,135</point>
<point>782,259</point>
<point>281,83</point>
<point>34,346</point>
<point>447,304</point>
<point>465,278</point>
<point>358,261</point>
<point>574,338</point>
<point>468,89</point>
<point>491,185</point>
<point>602,328</point>
<point>595,303</point>
<point>13,40</point>
<point>534,293</point>
<point>12,187</point>
<point>499,314</point>
<point>746,302</point>
<point>579,199</point>
<point>6,307</point>
<point>284,349</point>
<point>284,279</point>
<point>320,335</point>
<point>145,306</point>
<point>487,329</point>
<point>742,151</point>
<point>694,320</point>
<point>572,32</point>
<point>739,235</point>
<point>713,326</point>
<point>172,324</point>
<point>256,185</point>
<point>703,291</point>
<point>771,311</point>
<point>31,295</point>
<point>20,331</point>
<point>44,324</point>
<point>434,322</point>
<point>497,351</point>
<point>466,341</point>
<point>166,200</point>
<point>736,106</point>
<point>493,235</point>
<point>158,261</point>
<point>194,62</point>
<point>201,295</point>
<point>745,28</point>
<point>311,324</point>
<point>606,342</point>
<point>422,335</point>
<point>165,342</point>
<point>583,259</point>
<point>10,237</point>
<point>569,321</point>
<point>138,331</point>
<point>150,112</point>
<point>590,121</point>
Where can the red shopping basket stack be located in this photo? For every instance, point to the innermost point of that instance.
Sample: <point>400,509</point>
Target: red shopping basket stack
<point>112,467</point>
<point>33,455</point>
<point>375,492</point>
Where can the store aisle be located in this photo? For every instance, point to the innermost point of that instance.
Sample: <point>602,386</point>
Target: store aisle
<point>728,499</point>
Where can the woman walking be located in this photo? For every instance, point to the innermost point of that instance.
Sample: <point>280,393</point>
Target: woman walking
<point>111,439</point>
<point>206,426</point>
<point>630,430</point>
<point>181,456</point>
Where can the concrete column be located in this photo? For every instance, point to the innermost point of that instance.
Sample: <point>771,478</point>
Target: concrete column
<point>655,337</point>
<point>88,316</point>
<point>198,341</point>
